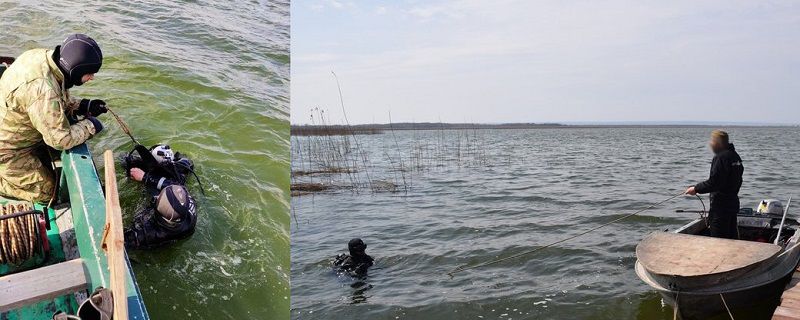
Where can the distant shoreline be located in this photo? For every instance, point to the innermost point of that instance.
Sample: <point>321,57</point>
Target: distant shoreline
<point>379,128</point>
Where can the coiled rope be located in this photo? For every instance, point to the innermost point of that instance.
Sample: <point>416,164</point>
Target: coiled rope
<point>19,238</point>
<point>495,261</point>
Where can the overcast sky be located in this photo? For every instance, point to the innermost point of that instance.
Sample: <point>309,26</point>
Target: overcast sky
<point>547,61</point>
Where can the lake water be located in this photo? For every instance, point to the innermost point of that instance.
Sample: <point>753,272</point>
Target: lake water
<point>475,195</point>
<point>211,79</point>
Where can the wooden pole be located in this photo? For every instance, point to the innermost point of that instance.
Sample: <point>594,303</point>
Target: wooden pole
<point>114,241</point>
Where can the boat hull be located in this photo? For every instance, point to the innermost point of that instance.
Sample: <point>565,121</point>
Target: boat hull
<point>704,306</point>
<point>759,286</point>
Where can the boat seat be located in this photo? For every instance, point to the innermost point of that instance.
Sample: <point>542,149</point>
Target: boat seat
<point>685,255</point>
<point>21,289</point>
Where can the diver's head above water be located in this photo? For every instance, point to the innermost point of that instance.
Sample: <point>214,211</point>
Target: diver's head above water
<point>174,204</point>
<point>357,247</point>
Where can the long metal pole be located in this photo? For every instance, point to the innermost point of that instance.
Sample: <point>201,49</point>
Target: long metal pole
<point>785,211</point>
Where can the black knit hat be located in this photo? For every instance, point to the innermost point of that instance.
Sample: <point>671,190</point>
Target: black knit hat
<point>78,56</point>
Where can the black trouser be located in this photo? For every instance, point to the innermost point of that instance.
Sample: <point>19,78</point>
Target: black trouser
<point>723,223</point>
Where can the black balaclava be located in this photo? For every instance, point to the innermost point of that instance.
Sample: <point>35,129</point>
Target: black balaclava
<point>78,56</point>
<point>357,247</point>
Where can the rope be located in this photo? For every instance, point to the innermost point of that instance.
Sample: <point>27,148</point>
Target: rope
<point>18,234</point>
<point>122,125</point>
<point>127,131</point>
<point>491,262</point>
<point>726,306</point>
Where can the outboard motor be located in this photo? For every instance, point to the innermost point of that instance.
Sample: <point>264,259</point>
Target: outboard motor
<point>770,206</point>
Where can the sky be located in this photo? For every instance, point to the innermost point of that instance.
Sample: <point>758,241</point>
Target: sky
<point>545,61</point>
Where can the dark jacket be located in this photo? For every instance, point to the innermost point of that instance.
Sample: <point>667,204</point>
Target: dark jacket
<point>724,181</point>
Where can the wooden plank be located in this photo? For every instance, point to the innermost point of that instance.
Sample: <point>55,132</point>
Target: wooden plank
<point>790,295</point>
<point>114,241</point>
<point>88,212</point>
<point>675,254</point>
<point>790,303</point>
<point>783,313</point>
<point>789,306</point>
<point>20,289</point>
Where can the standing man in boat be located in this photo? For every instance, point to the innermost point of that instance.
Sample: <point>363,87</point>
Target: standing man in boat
<point>37,114</point>
<point>723,184</point>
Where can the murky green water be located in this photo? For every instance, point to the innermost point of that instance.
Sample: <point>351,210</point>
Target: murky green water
<point>211,79</point>
<point>478,195</point>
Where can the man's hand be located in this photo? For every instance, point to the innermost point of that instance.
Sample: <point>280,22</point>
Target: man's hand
<point>691,191</point>
<point>92,108</point>
<point>137,174</point>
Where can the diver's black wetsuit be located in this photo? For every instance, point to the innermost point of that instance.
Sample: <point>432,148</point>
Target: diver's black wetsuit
<point>148,229</point>
<point>723,183</point>
<point>356,264</point>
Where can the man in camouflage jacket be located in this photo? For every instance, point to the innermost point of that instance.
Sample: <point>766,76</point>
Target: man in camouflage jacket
<point>37,113</point>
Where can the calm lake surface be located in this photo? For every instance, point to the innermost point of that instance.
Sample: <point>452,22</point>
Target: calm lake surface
<point>521,189</point>
<point>211,79</point>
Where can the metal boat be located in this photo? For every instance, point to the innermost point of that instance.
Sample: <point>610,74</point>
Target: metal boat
<point>701,276</point>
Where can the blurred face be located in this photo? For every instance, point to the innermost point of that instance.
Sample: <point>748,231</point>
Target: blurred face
<point>715,145</point>
<point>87,78</point>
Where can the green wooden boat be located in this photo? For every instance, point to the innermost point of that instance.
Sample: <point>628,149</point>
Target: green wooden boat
<point>76,264</point>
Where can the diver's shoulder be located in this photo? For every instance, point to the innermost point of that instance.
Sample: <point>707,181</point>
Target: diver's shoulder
<point>341,259</point>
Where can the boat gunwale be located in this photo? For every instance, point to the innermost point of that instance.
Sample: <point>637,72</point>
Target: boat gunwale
<point>789,252</point>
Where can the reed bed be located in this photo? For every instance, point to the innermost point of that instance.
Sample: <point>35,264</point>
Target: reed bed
<point>388,163</point>
<point>332,130</point>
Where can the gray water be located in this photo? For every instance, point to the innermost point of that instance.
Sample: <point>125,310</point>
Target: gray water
<point>531,187</point>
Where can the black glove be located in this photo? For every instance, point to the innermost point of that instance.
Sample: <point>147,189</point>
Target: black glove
<point>93,108</point>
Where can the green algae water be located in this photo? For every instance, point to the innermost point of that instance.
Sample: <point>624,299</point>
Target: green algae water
<point>210,79</point>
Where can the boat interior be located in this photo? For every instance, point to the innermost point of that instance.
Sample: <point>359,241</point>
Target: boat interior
<point>70,248</point>
<point>753,226</point>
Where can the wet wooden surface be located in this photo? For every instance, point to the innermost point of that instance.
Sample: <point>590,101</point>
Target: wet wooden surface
<point>789,307</point>
<point>20,289</point>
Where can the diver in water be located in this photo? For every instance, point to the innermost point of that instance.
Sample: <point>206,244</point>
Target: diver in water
<point>357,262</point>
<point>171,214</point>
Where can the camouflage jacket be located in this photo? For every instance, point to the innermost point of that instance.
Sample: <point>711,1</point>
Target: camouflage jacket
<point>34,107</point>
